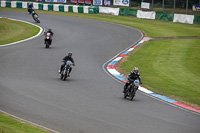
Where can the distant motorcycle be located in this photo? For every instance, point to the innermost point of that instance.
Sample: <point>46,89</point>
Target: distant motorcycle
<point>35,17</point>
<point>131,89</point>
<point>65,72</point>
<point>48,39</point>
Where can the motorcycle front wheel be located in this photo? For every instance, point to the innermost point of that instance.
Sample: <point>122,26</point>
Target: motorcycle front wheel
<point>66,71</point>
<point>47,44</point>
<point>132,93</point>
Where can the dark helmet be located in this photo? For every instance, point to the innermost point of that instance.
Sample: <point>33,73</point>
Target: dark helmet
<point>69,54</point>
<point>135,70</point>
<point>49,30</point>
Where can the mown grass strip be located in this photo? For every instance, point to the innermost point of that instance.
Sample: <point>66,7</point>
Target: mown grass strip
<point>10,125</point>
<point>12,31</point>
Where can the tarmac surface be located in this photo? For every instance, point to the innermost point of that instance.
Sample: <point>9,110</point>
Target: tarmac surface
<point>90,101</point>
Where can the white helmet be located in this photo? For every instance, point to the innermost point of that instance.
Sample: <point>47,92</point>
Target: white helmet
<point>135,70</point>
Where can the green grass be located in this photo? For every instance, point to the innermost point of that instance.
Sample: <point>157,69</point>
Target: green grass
<point>169,67</point>
<point>12,31</point>
<point>10,125</point>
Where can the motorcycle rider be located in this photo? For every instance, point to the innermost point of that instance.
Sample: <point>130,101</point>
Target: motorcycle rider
<point>132,76</point>
<point>65,59</point>
<point>30,7</point>
<point>49,31</point>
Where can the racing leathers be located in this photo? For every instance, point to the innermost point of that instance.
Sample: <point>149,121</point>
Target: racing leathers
<point>49,31</point>
<point>131,78</point>
<point>65,59</point>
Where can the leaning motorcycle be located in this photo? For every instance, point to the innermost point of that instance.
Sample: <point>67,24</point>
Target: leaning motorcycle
<point>35,17</point>
<point>131,89</point>
<point>48,39</point>
<point>65,72</point>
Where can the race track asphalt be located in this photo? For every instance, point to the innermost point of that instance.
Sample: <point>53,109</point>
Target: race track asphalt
<point>90,101</point>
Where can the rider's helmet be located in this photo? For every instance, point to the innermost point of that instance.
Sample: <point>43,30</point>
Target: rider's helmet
<point>69,54</point>
<point>49,30</point>
<point>135,70</point>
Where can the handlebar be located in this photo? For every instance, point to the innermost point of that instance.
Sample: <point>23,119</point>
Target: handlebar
<point>66,61</point>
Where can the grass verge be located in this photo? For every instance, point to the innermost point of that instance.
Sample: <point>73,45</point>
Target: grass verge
<point>12,31</point>
<point>10,125</point>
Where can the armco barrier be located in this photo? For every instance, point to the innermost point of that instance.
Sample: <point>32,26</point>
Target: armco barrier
<point>127,12</point>
<point>19,4</point>
<point>40,6</point>
<point>70,9</point>
<point>182,18</point>
<point>93,9</point>
<point>164,16</point>
<point>8,3</point>
<point>80,9</point>
<point>50,7</point>
<point>112,11</point>
<point>196,20</point>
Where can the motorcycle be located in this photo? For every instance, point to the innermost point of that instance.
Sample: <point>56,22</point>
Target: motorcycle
<point>65,72</point>
<point>48,39</point>
<point>131,89</point>
<point>35,17</point>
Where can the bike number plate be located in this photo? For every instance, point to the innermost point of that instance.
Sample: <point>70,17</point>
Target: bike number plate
<point>136,82</point>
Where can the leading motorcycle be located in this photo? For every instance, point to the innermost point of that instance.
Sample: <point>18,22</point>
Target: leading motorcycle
<point>65,72</point>
<point>131,89</point>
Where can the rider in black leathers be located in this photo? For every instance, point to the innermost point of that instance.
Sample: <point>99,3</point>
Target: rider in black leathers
<point>134,75</point>
<point>65,59</point>
<point>49,31</point>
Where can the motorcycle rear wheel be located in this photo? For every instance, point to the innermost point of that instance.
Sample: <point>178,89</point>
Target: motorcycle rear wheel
<point>61,76</point>
<point>126,93</point>
<point>64,76</point>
